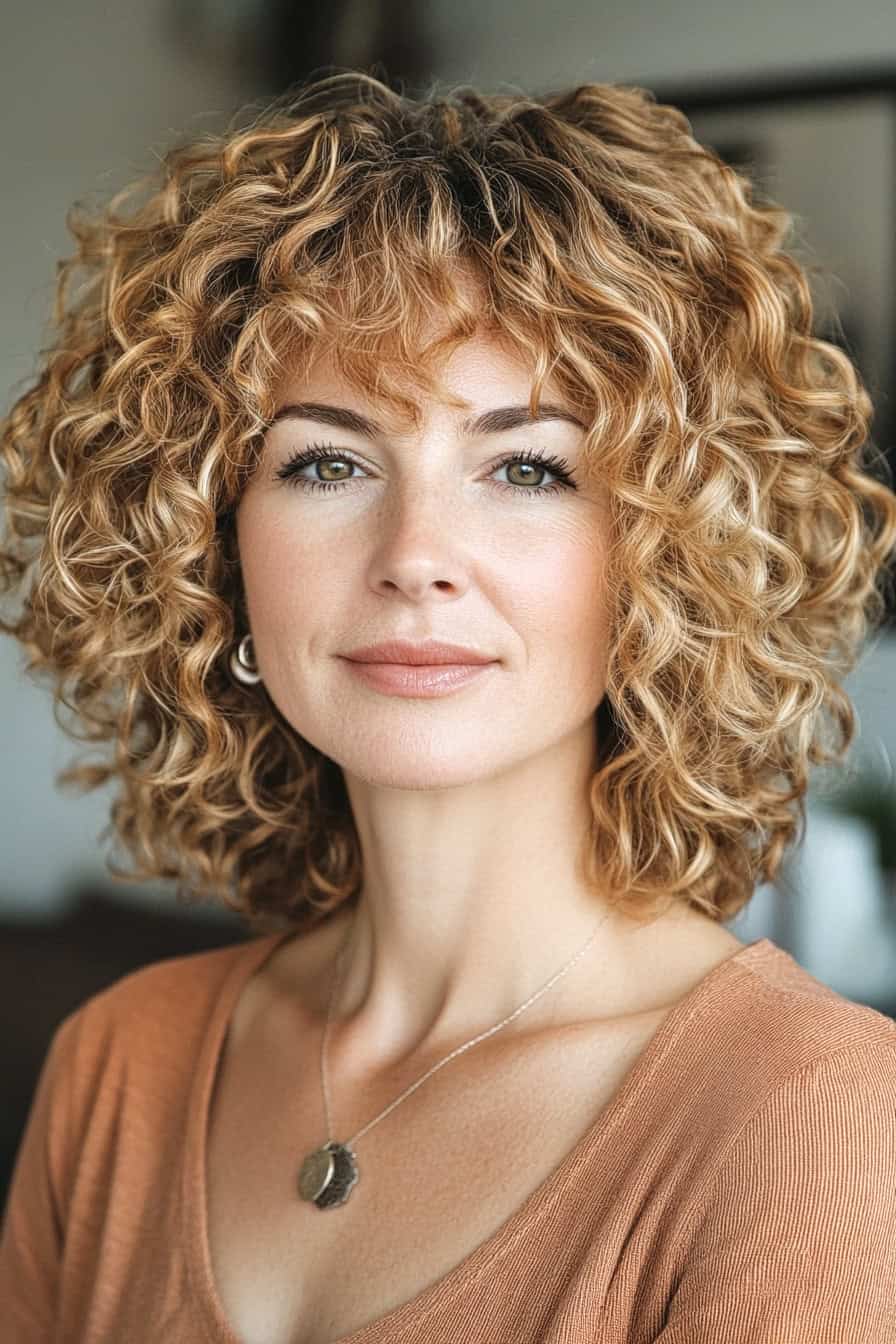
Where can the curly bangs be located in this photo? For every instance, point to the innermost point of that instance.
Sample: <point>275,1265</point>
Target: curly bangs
<point>636,269</point>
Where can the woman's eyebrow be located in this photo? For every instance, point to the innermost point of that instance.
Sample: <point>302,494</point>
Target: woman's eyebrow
<point>489,422</point>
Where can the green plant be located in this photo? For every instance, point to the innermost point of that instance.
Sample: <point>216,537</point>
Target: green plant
<point>874,800</point>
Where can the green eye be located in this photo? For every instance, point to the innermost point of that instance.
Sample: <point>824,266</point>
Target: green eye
<point>291,470</point>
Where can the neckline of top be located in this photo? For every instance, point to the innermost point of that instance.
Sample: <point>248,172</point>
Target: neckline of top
<point>194,1203</point>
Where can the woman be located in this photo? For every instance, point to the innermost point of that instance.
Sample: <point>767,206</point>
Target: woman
<point>532,377</point>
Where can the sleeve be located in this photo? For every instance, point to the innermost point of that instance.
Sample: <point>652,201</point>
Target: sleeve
<point>795,1240</point>
<point>33,1230</point>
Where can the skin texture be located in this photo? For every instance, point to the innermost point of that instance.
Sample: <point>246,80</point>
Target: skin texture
<point>472,808</point>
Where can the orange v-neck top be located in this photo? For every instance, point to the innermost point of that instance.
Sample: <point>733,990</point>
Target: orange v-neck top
<point>739,1186</point>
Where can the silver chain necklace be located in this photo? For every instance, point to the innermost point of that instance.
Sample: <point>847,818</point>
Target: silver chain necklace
<point>330,1173</point>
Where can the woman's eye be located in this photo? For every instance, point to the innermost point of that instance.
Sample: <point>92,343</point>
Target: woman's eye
<point>526,470</point>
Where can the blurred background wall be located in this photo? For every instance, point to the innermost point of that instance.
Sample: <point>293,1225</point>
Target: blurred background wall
<point>90,94</point>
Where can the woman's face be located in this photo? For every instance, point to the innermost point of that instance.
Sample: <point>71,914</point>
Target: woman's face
<point>423,534</point>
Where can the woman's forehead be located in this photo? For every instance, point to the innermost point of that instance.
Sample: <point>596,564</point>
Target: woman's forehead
<point>476,376</point>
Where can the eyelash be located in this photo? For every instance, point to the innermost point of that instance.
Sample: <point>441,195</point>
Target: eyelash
<point>327,452</point>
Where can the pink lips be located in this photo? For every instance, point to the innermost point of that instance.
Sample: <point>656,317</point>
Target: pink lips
<point>427,653</point>
<point>421,681</point>
<point>424,670</point>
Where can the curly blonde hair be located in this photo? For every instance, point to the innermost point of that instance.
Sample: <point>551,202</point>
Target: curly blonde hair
<point>636,268</point>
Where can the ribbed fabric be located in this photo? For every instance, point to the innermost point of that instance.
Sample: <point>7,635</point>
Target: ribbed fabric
<point>739,1187</point>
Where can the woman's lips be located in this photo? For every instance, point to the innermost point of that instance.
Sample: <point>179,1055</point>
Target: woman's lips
<point>422,680</point>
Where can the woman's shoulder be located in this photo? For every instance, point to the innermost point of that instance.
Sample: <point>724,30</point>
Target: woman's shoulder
<point>788,1161</point>
<point>796,1017</point>
<point>768,1037</point>
<point>163,1008</point>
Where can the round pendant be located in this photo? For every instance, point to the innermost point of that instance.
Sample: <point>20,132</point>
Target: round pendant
<point>328,1175</point>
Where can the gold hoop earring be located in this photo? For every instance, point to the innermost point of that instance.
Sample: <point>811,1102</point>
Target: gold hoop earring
<point>242,662</point>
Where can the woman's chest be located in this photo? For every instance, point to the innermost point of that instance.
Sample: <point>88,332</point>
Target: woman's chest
<point>437,1176</point>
